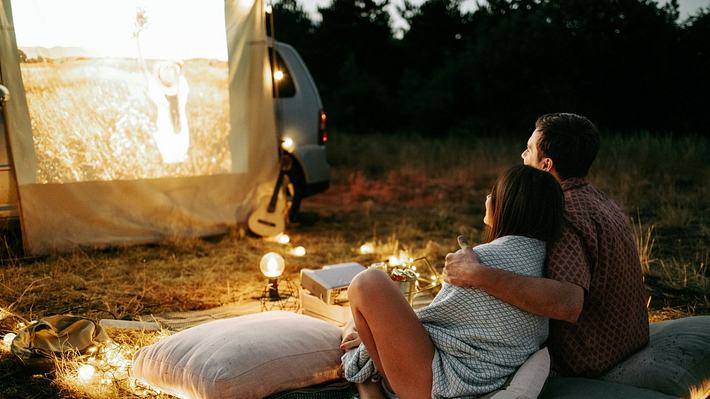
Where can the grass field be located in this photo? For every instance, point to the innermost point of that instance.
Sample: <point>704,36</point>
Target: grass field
<point>93,120</point>
<point>398,192</point>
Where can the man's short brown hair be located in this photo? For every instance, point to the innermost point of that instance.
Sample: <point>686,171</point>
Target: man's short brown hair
<point>570,140</point>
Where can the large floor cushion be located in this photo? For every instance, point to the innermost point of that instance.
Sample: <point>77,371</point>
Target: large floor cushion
<point>677,357</point>
<point>585,388</point>
<point>245,357</point>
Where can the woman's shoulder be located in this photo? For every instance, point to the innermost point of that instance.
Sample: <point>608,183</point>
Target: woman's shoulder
<point>511,252</point>
<point>511,242</point>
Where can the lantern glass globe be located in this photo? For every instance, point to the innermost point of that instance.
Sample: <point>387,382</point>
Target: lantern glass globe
<point>272,265</point>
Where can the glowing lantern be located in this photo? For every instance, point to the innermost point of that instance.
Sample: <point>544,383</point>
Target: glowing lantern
<point>278,75</point>
<point>272,265</point>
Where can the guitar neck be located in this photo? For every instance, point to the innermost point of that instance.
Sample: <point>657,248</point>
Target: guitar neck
<point>275,195</point>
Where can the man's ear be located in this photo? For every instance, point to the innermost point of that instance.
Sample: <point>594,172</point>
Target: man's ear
<point>547,164</point>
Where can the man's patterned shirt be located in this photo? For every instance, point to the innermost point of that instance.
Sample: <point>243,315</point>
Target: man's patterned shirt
<point>597,252</point>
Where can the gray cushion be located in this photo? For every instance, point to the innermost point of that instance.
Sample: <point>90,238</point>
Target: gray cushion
<point>585,388</point>
<point>677,357</point>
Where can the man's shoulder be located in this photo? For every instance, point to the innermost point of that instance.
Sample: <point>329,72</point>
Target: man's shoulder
<point>586,204</point>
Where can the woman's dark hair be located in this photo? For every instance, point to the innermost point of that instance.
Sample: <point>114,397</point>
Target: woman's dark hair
<point>526,202</point>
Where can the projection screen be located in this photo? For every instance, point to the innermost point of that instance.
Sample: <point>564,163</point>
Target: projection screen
<point>136,120</point>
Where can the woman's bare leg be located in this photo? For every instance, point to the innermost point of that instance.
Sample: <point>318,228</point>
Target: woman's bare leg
<point>370,390</point>
<point>393,335</point>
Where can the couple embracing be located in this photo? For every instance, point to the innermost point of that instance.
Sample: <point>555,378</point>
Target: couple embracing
<point>559,269</point>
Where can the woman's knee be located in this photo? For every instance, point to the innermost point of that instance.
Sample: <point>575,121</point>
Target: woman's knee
<point>366,283</point>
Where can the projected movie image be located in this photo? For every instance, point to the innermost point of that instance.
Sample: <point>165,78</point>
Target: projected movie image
<point>125,90</point>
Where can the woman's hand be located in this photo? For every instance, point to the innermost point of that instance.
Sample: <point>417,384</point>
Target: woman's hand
<point>350,341</point>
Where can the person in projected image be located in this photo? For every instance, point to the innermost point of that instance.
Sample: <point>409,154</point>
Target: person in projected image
<point>466,343</point>
<point>168,89</point>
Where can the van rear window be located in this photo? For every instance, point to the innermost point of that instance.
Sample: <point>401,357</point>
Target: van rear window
<point>282,78</point>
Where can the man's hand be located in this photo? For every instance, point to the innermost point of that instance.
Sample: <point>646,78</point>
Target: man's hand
<point>462,268</point>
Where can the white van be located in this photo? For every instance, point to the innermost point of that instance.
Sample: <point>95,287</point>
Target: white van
<point>301,123</point>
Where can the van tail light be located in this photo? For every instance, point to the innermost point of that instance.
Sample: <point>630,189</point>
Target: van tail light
<point>322,134</point>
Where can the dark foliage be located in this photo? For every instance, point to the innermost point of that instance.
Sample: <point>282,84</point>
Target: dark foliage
<point>627,64</point>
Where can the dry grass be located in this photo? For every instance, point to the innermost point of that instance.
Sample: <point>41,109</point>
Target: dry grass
<point>398,192</point>
<point>701,391</point>
<point>644,242</point>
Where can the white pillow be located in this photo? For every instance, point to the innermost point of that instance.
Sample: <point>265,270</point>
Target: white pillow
<point>243,357</point>
<point>528,380</point>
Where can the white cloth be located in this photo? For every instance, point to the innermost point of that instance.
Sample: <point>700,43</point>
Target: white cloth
<point>479,340</point>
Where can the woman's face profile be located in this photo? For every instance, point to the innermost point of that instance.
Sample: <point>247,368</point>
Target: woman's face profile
<point>488,218</point>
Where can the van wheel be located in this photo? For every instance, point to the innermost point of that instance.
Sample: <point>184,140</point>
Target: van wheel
<point>294,186</point>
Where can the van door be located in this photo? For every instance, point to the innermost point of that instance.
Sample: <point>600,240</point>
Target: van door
<point>297,102</point>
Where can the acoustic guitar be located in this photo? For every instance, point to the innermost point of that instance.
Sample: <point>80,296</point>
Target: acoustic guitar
<point>269,217</point>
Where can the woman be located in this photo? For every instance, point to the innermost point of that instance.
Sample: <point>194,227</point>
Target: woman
<point>168,89</point>
<point>466,342</point>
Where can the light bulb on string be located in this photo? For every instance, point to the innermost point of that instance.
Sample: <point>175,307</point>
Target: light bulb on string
<point>8,338</point>
<point>367,248</point>
<point>86,373</point>
<point>298,251</point>
<point>280,238</point>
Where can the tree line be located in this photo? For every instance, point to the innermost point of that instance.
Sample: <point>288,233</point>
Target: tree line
<point>627,64</point>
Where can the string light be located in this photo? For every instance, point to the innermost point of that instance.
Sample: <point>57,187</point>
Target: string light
<point>367,248</point>
<point>298,251</point>
<point>8,338</point>
<point>86,373</point>
<point>282,238</point>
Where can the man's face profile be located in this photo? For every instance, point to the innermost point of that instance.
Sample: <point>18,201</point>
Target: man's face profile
<point>531,155</point>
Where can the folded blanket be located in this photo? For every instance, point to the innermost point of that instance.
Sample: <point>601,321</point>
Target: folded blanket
<point>357,365</point>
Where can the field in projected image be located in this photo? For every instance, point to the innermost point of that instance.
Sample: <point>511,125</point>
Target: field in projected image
<point>92,119</point>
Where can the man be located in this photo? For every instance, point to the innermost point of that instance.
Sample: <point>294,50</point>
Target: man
<point>593,293</point>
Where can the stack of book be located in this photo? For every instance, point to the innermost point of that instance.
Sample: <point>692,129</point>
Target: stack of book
<point>323,292</point>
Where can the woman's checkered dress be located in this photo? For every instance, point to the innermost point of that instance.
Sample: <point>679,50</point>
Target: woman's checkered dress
<point>479,340</point>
